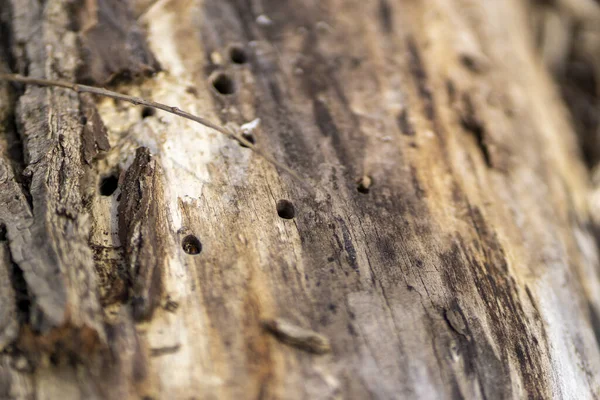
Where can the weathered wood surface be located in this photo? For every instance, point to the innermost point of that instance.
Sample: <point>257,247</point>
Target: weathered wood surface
<point>448,249</point>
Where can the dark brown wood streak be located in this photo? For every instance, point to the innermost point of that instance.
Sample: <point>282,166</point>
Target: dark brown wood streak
<point>144,231</point>
<point>94,137</point>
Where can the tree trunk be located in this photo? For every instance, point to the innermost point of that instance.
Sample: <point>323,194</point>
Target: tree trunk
<point>444,247</point>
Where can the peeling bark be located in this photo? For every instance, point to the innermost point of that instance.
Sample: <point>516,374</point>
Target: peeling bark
<point>144,232</point>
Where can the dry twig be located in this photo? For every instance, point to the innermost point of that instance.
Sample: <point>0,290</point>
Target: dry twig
<point>148,103</point>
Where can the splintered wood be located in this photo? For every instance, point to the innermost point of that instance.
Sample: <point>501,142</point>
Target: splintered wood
<point>296,336</point>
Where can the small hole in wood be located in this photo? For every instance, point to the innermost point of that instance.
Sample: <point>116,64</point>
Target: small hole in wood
<point>54,359</point>
<point>237,55</point>
<point>83,120</point>
<point>191,245</point>
<point>285,209</point>
<point>249,137</point>
<point>223,84</point>
<point>108,185</point>
<point>364,184</point>
<point>148,112</point>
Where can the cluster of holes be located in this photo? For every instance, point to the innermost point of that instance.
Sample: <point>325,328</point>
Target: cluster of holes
<point>223,84</point>
<point>108,185</point>
<point>191,245</point>
<point>221,81</point>
<point>285,209</point>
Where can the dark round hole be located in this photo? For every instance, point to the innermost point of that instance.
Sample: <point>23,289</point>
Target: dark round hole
<point>191,245</point>
<point>285,209</point>
<point>362,189</point>
<point>238,55</point>
<point>148,112</point>
<point>223,84</point>
<point>83,120</point>
<point>364,184</point>
<point>249,137</point>
<point>108,185</point>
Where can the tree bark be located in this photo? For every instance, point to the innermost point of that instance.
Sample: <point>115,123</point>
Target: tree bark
<point>447,248</point>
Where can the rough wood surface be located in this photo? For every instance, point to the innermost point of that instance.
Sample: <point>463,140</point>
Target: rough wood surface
<point>448,250</point>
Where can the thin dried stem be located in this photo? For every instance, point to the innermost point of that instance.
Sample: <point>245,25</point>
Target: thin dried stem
<point>148,103</point>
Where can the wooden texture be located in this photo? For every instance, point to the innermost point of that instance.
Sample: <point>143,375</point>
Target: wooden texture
<point>447,251</point>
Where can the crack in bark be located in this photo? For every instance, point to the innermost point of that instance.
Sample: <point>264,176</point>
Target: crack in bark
<point>474,125</point>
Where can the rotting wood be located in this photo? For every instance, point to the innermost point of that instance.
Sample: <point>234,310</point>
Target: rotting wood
<point>96,140</point>
<point>59,274</point>
<point>448,252</point>
<point>144,232</point>
<point>94,136</point>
